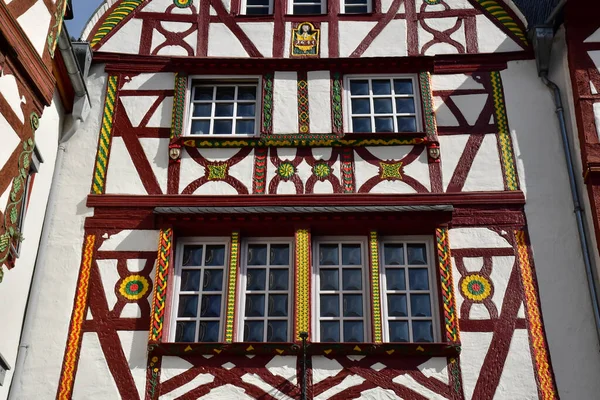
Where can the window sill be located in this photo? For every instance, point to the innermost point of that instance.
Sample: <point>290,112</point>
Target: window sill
<point>313,349</point>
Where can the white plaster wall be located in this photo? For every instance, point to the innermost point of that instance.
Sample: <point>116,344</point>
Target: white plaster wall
<point>57,267</point>
<point>565,301</point>
<point>319,101</point>
<point>15,287</point>
<point>285,102</point>
<point>126,39</point>
<point>35,22</point>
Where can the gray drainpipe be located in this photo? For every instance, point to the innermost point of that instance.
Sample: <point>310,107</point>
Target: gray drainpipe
<point>542,38</point>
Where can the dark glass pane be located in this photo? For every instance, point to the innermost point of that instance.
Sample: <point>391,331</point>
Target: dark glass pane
<point>190,280</point>
<point>361,106</point>
<point>420,305</point>
<point>280,254</point>
<point>395,279</point>
<point>278,279</point>
<point>203,93</point>
<point>211,306</point>
<point>224,109</point>
<point>417,254</point>
<point>277,331</point>
<point>208,331</point>
<point>200,127</point>
<point>384,124</point>
<point>245,126</point>
<point>192,256</point>
<point>353,305</point>
<point>407,124</point>
<point>213,280</point>
<point>222,126</point>
<point>255,279</point>
<point>328,254</point>
<point>393,253</point>
<point>188,306</point>
<point>399,331</point>
<point>403,86</point>
<point>382,106</point>
<point>330,305</point>
<point>225,93</point>
<point>257,10</point>
<point>185,331</point>
<point>405,105</point>
<point>215,255</point>
<point>351,254</point>
<point>356,9</point>
<point>359,87</point>
<point>307,9</point>
<point>202,110</point>
<point>381,86</point>
<point>418,279</point>
<point>257,254</point>
<point>278,305</point>
<point>330,331</point>
<point>248,92</point>
<point>255,305</point>
<point>361,125</point>
<point>329,279</point>
<point>422,331</point>
<point>354,331</point>
<point>246,110</point>
<point>253,331</point>
<point>397,305</point>
<point>352,279</point>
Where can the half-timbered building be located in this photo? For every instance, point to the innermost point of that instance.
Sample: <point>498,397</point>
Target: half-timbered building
<point>314,199</point>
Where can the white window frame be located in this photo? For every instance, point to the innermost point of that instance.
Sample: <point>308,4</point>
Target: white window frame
<point>242,292</point>
<point>433,286</point>
<point>315,293</point>
<point>224,80</point>
<point>245,6</point>
<point>369,6</point>
<point>416,96</point>
<point>323,7</point>
<point>177,282</point>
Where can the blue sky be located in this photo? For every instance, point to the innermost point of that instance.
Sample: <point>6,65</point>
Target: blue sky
<point>82,11</point>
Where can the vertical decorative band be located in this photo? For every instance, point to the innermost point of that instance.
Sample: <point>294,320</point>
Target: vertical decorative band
<point>181,82</point>
<point>65,386</point>
<point>267,101</point>
<point>337,121</point>
<point>375,288</point>
<point>303,113</point>
<point>302,261</point>
<point>104,140</point>
<point>504,139</point>
<point>116,16</point>
<point>536,330</point>
<point>165,242</point>
<point>447,286</point>
<point>347,168</point>
<point>427,99</point>
<point>233,273</point>
<point>259,177</point>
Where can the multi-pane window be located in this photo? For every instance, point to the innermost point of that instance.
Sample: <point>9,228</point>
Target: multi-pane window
<point>267,300</point>
<point>383,104</point>
<point>340,308</point>
<point>258,7</point>
<point>357,6</point>
<point>224,107</point>
<point>302,7</point>
<point>200,296</point>
<point>407,292</point>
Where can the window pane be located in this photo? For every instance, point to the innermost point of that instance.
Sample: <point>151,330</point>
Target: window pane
<point>185,331</point>
<point>246,110</point>
<point>359,87</point>
<point>418,278</point>
<point>330,331</point>
<point>381,86</point>
<point>384,124</point>
<point>208,331</point>
<point>222,126</point>
<point>278,305</point>
<point>398,331</point>
<point>352,279</point>
<point>202,110</point>
<point>422,331</point>
<point>245,126</point>
<point>224,110</point>
<point>200,127</point>
<point>420,306</point>
<point>257,11</point>
<point>361,124</point>
<point>356,9</point>
<point>395,279</point>
<point>361,106</point>
<point>417,254</point>
<point>248,92</point>
<point>278,279</point>
<point>255,305</point>
<point>351,254</point>
<point>280,254</point>
<point>405,105</point>
<point>188,306</point>
<point>225,93</point>
<point>213,280</point>
<point>353,305</point>
<point>407,124</point>
<point>190,280</point>
<point>204,93</point>
<point>307,9</point>
<point>328,254</point>
<point>277,331</point>
<point>253,331</point>
<point>215,255</point>
<point>255,279</point>
<point>382,106</point>
<point>257,254</point>
<point>403,86</point>
<point>354,331</point>
<point>393,253</point>
<point>211,306</point>
<point>330,305</point>
<point>329,279</point>
<point>192,256</point>
<point>397,305</point>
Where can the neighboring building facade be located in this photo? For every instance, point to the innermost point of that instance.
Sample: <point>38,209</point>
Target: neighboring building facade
<point>384,176</point>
